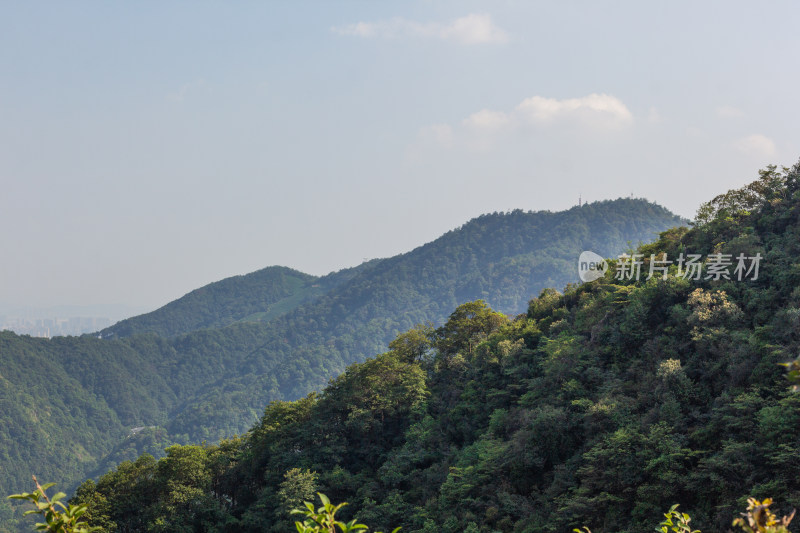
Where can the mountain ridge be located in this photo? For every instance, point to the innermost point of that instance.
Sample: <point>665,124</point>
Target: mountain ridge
<point>254,297</point>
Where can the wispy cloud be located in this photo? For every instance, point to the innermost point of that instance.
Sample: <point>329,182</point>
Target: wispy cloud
<point>603,107</point>
<point>487,120</point>
<point>756,145</point>
<point>470,29</point>
<point>599,111</point>
<point>584,117</point>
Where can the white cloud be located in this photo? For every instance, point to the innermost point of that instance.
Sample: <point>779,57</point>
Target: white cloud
<point>609,109</point>
<point>370,29</point>
<point>486,120</point>
<point>474,29</point>
<point>471,29</point>
<point>585,117</point>
<point>756,145</point>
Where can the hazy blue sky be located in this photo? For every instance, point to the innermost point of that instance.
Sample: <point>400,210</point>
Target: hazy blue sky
<point>149,148</point>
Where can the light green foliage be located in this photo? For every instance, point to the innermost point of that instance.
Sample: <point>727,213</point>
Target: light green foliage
<point>414,344</point>
<point>323,519</point>
<point>711,311</point>
<point>297,487</point>
<point>58,518</point>
<point>466,327</point>
<point>793,373</point>
<point>676,522</point>
<point>757,519</point>
<point>669,369</point>
<point>737,204</point>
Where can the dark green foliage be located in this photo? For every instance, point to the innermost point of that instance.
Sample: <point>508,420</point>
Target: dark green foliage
<point>256,297</point>
<point>220,304</point>
<point>600,407</point>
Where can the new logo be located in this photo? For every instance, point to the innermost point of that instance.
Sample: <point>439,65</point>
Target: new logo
<point>591,266</point>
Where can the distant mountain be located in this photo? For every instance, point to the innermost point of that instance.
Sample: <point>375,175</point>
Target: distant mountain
<point>205,366</point>
<point>502,258</point>
<point>489,264</point>
<point>255,297</point>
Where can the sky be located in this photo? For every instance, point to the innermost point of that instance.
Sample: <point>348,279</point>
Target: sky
<point>150,148</point>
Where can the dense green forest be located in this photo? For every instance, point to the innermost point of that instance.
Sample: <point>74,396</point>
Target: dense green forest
<point>256,297</point>
<point>600,406</point>
<point>204,367</point>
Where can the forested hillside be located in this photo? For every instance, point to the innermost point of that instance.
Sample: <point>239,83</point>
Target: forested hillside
<point>601,406</point>
<point>501,258</point>
<point>218,304</point>
<point>66,402</point>
<point>256,297</point>
<point>80,404</point>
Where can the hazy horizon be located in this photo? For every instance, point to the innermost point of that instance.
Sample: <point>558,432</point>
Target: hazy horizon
<point>147,150</point>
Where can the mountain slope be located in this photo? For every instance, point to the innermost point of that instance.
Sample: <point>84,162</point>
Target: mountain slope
<point>602,406</point>
<point>212,382</point>
<point>258,296</point>
<point>501,258</point>
<point>66,402</point>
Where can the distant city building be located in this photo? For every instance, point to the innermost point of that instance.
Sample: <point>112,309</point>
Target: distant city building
<point>53,326</point>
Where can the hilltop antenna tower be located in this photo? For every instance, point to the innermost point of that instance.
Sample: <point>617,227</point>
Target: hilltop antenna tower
<point>579,200</point>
